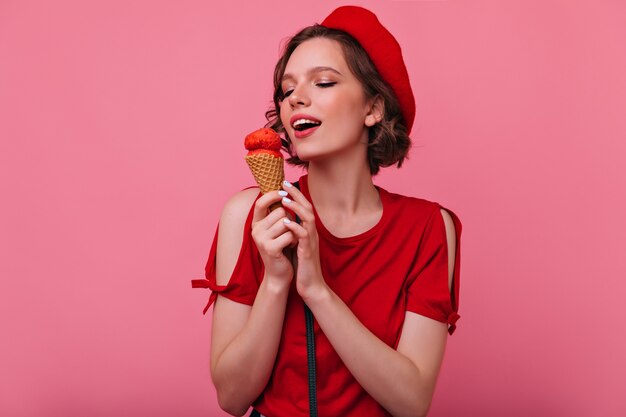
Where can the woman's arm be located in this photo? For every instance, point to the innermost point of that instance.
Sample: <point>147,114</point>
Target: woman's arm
<point>402,381</point>
<point>244,339</point>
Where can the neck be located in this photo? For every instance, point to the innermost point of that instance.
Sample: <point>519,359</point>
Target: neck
<point>337,188</point>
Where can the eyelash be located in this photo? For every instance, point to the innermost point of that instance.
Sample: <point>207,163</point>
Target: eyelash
<point>322,85</point>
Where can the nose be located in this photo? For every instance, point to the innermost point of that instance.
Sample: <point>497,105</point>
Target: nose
<point>298,97</point>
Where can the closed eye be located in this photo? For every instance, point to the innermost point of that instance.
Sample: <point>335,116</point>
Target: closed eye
<point>321,85</point>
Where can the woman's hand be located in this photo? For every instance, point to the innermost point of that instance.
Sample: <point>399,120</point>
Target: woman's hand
<point>271,236</point>
<point>309,278</point>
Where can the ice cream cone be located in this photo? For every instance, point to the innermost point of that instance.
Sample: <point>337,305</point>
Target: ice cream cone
<point>265,160</point>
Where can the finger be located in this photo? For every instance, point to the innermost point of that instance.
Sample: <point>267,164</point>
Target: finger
<point>276,246</point>
<point>300,233</point>
<point>271,218</point>
<point>294,241</point>
<point>296,195</point>
<point>261,206</point>
<point>277,228</point>
<point>305,214</point>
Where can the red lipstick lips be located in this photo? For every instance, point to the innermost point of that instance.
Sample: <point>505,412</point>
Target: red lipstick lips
<point>307,132</point>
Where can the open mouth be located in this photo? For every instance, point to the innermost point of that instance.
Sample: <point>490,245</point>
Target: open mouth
<point>300,127</point>
<point>305,130</point>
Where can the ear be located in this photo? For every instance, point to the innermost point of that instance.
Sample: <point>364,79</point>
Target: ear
<point>375,111</point>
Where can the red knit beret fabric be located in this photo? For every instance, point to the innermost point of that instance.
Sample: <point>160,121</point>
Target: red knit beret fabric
<point>383,49</point>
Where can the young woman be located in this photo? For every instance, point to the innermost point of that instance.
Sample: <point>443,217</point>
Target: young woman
<point>379,271</point>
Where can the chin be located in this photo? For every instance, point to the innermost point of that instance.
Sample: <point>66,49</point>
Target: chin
<point>310,156</point>
<point>303,156</point>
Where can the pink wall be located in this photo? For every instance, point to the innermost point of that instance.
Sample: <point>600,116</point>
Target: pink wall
<point>111,115</point>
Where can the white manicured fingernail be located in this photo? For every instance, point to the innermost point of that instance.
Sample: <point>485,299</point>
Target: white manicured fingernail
<point>287,183</point>
<point>283,193</point>
<point>286,220</point>
<point>286,200</point>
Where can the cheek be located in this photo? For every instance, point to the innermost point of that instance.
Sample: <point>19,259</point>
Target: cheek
<point>348,110</point>
<point>344,102</point>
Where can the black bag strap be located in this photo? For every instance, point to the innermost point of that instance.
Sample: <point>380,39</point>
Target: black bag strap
<point>310,347</point>
<point>310,350</point>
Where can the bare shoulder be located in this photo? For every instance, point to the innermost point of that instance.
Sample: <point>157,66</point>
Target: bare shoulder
<point>230,237</point>
<point>451,239</point>
<point>237,205</point>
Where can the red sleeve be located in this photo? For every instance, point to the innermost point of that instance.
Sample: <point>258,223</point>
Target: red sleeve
<point>428,292</point>
<point>246,277</point>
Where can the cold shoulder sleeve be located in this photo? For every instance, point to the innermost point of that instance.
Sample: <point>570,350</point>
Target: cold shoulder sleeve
<point>428,293</point>
<point>247,274</point>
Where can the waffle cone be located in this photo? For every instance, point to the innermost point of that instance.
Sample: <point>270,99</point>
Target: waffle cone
<point>268,171</point>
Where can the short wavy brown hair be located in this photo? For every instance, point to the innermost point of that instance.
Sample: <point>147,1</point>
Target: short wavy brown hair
<point>388,141</point>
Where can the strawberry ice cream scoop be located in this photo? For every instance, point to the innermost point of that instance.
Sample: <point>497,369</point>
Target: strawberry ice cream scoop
<point>264,140</point>
<point>265,160</point>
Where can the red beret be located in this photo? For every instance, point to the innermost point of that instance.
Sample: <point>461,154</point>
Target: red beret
<point>383,49</point>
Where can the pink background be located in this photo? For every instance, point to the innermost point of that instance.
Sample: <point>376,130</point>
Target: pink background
<point>122,128</point>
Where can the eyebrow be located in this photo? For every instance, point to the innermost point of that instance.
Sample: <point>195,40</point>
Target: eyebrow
<point>311,71</point>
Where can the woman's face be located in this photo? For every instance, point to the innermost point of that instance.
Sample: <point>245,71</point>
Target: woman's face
<point>318,83</point>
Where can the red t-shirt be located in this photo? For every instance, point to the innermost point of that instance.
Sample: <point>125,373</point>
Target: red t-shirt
<point>399,265</point>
